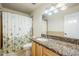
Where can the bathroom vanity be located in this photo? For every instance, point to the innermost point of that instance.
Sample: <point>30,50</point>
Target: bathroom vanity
<point>53,47</point>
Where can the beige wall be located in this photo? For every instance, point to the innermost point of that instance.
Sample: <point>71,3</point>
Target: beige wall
<point>44,27</point>
<point>38,24</point>
<point>56,22</point>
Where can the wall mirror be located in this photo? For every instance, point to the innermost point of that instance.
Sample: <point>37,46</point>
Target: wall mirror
<point>63,20</point>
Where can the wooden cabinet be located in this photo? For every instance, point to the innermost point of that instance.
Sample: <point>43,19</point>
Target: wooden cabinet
<point>39,50</point>
<point>36,49</point>
<point>47,52</point>
<point>33,48</point>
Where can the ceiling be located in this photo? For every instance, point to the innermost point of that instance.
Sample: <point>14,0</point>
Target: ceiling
<point>22,7</point>
<point>27,7</point>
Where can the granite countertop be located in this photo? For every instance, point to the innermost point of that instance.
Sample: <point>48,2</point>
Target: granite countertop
<point>63,48</point>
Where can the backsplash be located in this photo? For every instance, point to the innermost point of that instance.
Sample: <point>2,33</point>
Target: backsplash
<point>70,40</point>
<point>17,31</point>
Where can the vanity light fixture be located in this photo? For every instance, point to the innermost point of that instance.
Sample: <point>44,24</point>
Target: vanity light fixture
<point>72,21</point>
<point>52,8</point>
<point>55,11</point>
<point>63,8</point>
<point>46,11</point>
<point>49,13</point>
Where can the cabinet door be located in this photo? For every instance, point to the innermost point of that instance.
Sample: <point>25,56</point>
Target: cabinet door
<point>38,50</point>
<point>33,48</point>
<point>47,52</point>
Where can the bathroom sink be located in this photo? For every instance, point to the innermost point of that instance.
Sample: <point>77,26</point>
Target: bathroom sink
<point>42,39</point>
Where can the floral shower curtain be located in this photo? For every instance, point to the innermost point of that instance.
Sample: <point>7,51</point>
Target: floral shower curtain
<point>17,31</point>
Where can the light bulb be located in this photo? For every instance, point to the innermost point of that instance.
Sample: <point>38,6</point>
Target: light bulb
<point>49,13</point>
<point>52,8</point>
<point>46,11</point>
<point>55,11</point>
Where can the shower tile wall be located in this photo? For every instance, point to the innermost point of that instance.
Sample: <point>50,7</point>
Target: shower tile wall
<point>17,31</point>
